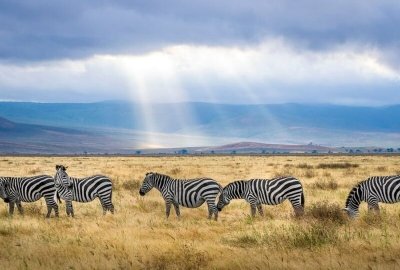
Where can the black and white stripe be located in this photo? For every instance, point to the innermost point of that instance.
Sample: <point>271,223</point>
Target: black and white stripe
<point>385,189</point>
<point>14,190</point>
<point>83,190</point>
<point>263,191</point>
<point>189,193</point>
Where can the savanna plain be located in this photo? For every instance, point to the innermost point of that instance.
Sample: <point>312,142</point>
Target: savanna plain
<point>138,236</point>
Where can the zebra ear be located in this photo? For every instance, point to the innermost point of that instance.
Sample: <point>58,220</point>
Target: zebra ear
<point>57,167</point>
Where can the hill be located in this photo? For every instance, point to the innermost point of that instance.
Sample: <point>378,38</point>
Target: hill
<point>255,147</point>
<point>202,124</point>
<point>30,138</point>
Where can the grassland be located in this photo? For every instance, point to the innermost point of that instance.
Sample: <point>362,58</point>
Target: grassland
<point>138,236</point>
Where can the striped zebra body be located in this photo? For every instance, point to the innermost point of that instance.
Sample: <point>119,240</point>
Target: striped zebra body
<point>15,190</point>
<point>83,190</point>
<point>385,189</point>
<point>262,191</point>
<point>189,193</point>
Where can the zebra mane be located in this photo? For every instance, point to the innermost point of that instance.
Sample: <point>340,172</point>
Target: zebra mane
<point>352,192</point>
<point>238,183</point>
<point>158,174</point>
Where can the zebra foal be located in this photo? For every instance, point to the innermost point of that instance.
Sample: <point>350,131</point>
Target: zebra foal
<point>189,193</point>
<point>83,190</point>
<point>14,190</point>
<point>262,191</point>
<point>373,190</point>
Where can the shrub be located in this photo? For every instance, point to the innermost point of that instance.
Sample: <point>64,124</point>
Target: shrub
<point>184,257</point>
<point>31,209</point>
<point>309,173</point>
<point>304,166</point>
<point>310,235</point>
<point>381,169</point>
<point>326,211</point>
<point>316,235</point>
<point>325,185</point>
<point>34,170</point>
<point>175,171</point>
<point>131,185</point>
<point>344,165</point>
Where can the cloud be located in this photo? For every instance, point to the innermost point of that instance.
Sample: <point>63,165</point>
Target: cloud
<point>273,71</point>
<point>37,30</point>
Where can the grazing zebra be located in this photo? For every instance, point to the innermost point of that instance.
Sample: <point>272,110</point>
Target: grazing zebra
<point>190,193</point>
<point>83,190</point>
<point>14,190</point>
<point>262,191</point>
<point>385,189</point>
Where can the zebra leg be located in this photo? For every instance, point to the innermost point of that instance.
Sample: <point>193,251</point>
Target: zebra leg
<point>297,206</point>
<point>70,209</point>
<point>177,211</point>
<point>253,210</point>
<point>55,207</point>
<point>212,209</point>
<point>11,207</point>
<point>51,204</point>
<point>106,203</point>
<point>167,207</point>
<point>20,209</point>
<point>260,209</point>
<point>103,206</point>
<point>111,208</point>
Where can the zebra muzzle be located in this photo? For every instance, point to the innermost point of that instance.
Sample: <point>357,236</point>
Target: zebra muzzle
<point>6,200</point>
<point>141,193</point>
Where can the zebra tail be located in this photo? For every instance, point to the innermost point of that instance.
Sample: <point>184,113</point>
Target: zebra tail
<point>302,199</point>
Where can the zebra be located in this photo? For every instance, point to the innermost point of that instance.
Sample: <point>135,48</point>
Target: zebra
<point>83,190</point>
<point>373,190</point>
<point>14,190</point>
<point>262,191</point>
<point>190,193</point>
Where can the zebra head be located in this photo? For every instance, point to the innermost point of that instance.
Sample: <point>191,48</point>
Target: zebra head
<point>148,184</point>
<point>3,193</point>
<point>223,200</point>
<point>353,201</point>
<point>61,178</point>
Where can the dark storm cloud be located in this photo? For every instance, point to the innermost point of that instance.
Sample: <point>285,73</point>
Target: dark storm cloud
<point>48,29</point>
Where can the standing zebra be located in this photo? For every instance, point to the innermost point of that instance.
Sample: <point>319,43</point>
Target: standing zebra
<point>14,190</point>
<point>190,193</point>
<point>385,189</point>
<point>83,190</point>
<point>262,191</point>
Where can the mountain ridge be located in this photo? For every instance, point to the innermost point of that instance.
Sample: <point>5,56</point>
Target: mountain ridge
<point>215,124</point>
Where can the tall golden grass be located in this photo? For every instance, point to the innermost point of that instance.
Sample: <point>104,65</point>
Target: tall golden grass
<point>139,236</point>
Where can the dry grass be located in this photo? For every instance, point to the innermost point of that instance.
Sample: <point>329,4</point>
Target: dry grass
<point>139,237</point>
<point>326,185</point>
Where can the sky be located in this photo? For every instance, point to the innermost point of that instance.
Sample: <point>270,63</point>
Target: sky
<point>340,52</point>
